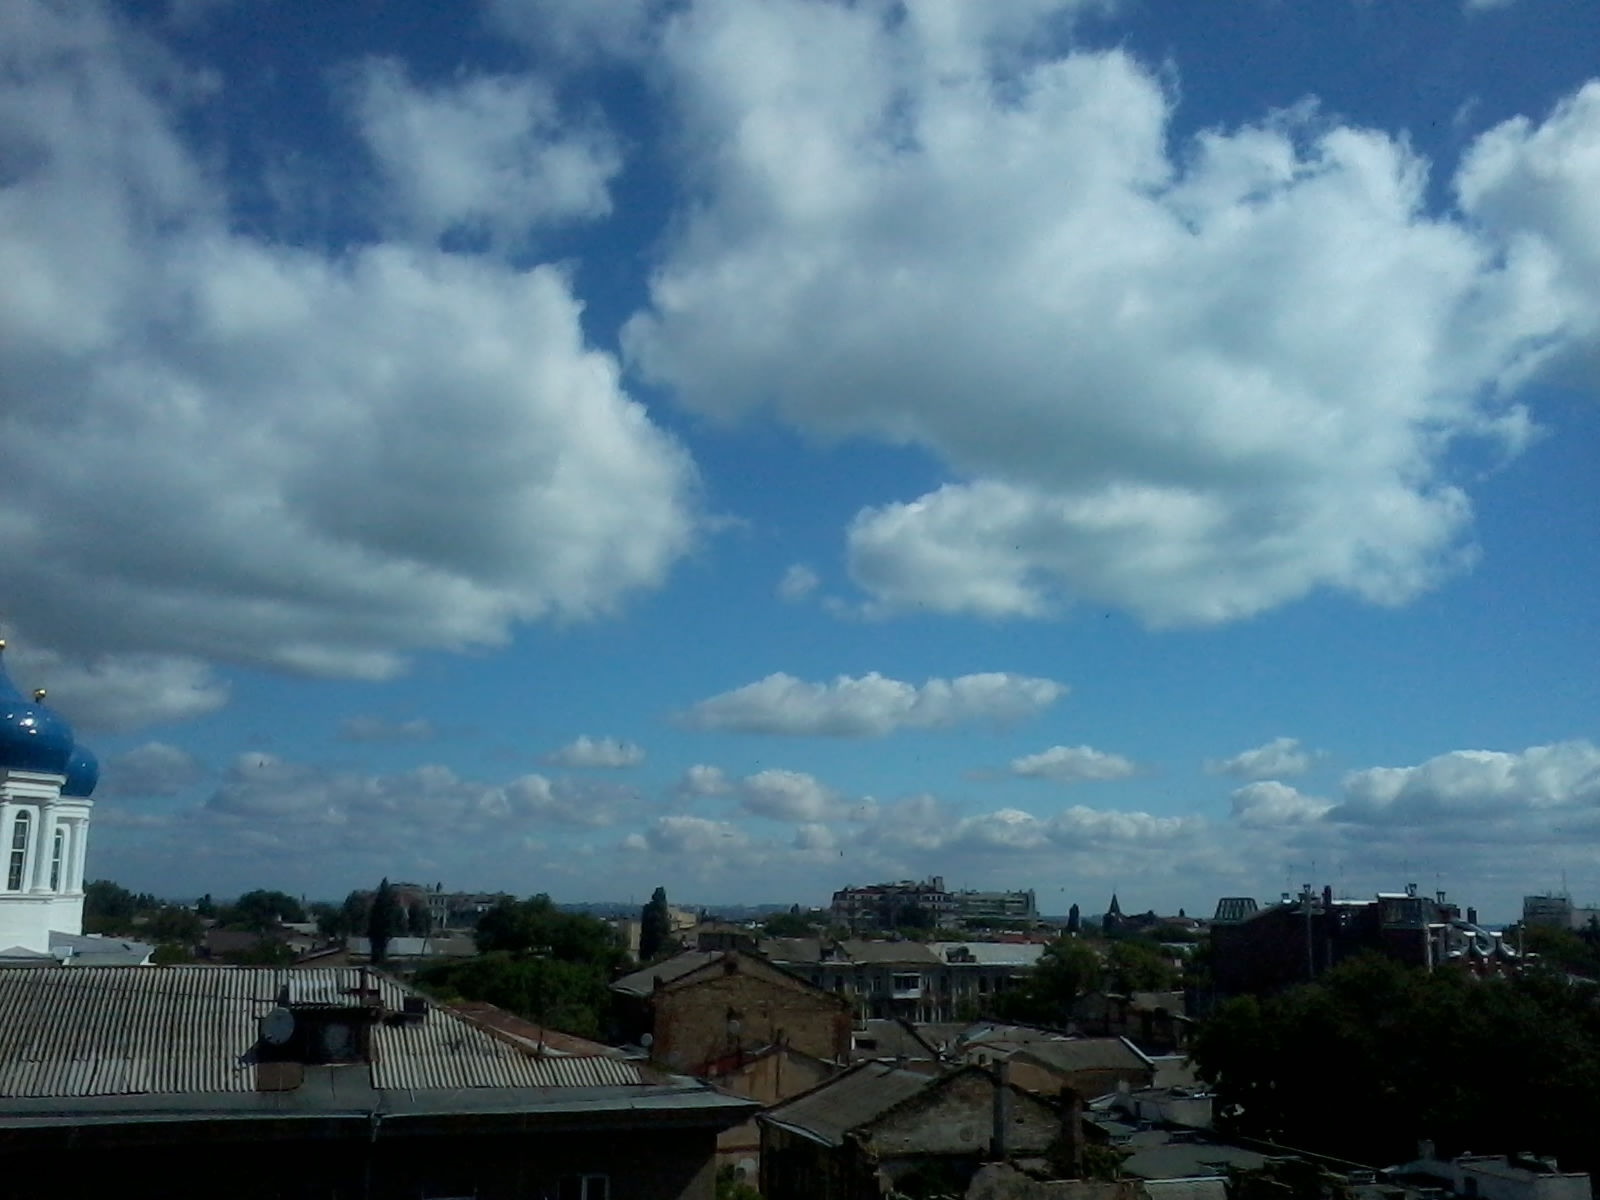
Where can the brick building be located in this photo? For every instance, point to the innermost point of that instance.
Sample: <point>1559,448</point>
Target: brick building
<point>1258,950</point>
<point>701,1006</point>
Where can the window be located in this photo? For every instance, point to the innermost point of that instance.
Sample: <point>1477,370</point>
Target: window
<point>585,1187</point>
<point>19,849</point>
<point>57,853</point>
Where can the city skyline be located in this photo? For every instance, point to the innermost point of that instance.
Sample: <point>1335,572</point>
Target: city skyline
<point>1078,445</point>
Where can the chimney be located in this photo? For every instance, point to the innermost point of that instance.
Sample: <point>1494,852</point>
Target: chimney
<point>1000,1141</point>
<point>1472,915</point>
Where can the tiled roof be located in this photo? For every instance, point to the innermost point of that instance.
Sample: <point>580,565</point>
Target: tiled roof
<point>847,1102</point>
<point>107,1031</point>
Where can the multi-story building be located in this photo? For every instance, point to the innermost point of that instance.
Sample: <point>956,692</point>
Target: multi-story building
<point>926,903</point>
<point>920,981</point>
<point>1557,912</point>
<point>1259,949</point>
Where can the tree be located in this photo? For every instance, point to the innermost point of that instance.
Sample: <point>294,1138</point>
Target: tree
<point>1074,921</point>
<point>383,921</point>
<point>1419,1055</point>
<point>419,921</point>
<point>205,906</point>
<point>536,927</point>
<point>1067,970</point>
<point>353,913</point>
<point>655,926</point>
<point>789,924</point>
<point>262,911</point>
<point>1138,966</point>
<point>170,954</point>
<point>169,923</point>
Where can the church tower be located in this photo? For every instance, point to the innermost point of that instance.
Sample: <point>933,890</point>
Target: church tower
<point>46,779</point>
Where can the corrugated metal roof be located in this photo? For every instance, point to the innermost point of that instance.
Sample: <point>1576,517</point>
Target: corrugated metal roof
<point>102,1031</point>
<point>829,1112</point>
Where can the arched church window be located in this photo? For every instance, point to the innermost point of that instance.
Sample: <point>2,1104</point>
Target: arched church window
<point>57,853</point>
<point>19,849</point>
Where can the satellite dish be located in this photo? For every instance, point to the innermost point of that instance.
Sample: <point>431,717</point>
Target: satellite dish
<point>647,1041</point>
<point>277,1026</point>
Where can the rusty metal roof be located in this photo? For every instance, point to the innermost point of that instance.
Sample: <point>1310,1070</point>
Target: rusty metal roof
<point>106,1031</point>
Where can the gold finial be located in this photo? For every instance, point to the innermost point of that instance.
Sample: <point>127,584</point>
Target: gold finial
<point>38,695</point>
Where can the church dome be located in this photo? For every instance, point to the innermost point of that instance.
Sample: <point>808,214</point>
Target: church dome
<point>83,772</point>
<point>32,737</point>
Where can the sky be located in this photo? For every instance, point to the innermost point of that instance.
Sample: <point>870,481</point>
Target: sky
<point>758,446</point>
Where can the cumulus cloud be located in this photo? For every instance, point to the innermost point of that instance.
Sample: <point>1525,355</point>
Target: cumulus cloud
<point>153,769</point>
<point>489,157</point>
<point>1560,780</point>
<point>701,781</point>
<point>586,751</point>
<point>267,791</point>
<point>382,729</point>
<point>1197,381</point>
<point>1071,764</point>
<point>295,422</point>
<point>1534,186</point>
<point>112,693</point>
<point>798,582</point>
<point>1278,759</point>
<point>1269,804</point>
<point>871,705</point>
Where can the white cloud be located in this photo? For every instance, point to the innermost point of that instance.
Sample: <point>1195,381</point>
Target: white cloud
<point>265,790</point>
<point>798,582</point>
<point>381,729</point>
<point>348,456</point>
<point>586,751</point>
<point>1559,781</point>
<point>572,31</point>
<point>1070,764</point>
<point>153,769</point>
<point>1534,186</point>
<point>701,781</point>
<point>117,692</point>
<point>872,705</point>
<point>696,836</point>
<point>1268,804</point>
<point>1486,5</point>
<point>789,796</point>
<point>1196,381</point>
<point>489,157</point>
<point>1278,759</point>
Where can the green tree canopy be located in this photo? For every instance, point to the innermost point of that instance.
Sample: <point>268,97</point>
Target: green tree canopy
<point>263,910</point>
<point>655,926</point>
<point>384,921</point>
<point>536,927</point>
<point>1136,965</point>
<point>1067,970</point>
<point>1418,1055</point>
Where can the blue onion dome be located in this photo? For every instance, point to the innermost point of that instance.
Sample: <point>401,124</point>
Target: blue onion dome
<point>83,772</point>
<point>32,737</point>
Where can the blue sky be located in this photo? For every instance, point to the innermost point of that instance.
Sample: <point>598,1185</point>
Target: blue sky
<point>759,446</point>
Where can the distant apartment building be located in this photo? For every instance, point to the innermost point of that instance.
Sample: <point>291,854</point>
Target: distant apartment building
<point>917,981</point>
<point>926,903</point>
<point>1260,949</point>
<point>1557,912</point>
